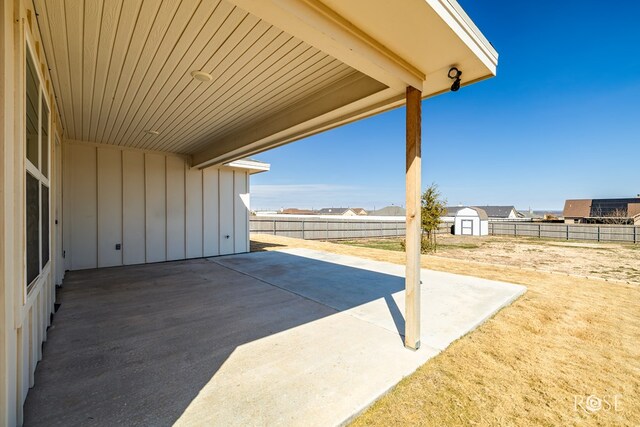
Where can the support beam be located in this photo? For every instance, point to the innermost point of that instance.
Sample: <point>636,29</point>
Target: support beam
<point>270,131</point>
<point>318,25</point>
<point>414,223</point>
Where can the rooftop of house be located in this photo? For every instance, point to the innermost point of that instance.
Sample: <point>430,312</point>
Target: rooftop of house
<point>389,211</point>
<point>596,208</point>
<point>333,211</point>
<point>296,211</point>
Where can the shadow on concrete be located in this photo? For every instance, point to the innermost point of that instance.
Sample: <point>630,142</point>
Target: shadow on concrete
<point>135,345</point>
<point>262,246</point>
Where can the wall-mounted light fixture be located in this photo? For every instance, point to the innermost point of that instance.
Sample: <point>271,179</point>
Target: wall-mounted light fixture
<point>454,74</point>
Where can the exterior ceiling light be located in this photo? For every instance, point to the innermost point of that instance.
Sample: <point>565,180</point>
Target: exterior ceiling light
<point>454,74</point>
<point>201,76</point>
<point>151,132</point>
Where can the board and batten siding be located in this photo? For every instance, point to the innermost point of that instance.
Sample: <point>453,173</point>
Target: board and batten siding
<point>152,204</point>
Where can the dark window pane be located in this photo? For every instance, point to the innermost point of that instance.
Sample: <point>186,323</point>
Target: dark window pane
<point>33,228</point>
<point>32,84</point>
<point>45,225</point>
<point>45,141</point>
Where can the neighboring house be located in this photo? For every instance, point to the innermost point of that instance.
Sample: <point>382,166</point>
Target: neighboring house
<point>359,211</point>
<point>531,214</point>
<point>501,212</point>
<point>493,212</point>
<point>337,211</point>
<point>602,211</point>
<point>389,211</point>
<point>265,213</point>
<point>296,211</point>
<point>450,213</point>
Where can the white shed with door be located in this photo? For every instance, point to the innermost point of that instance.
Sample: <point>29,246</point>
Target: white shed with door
<point>471,222</point>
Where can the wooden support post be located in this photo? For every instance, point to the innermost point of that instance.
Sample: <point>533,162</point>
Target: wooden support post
<point>414,223</point>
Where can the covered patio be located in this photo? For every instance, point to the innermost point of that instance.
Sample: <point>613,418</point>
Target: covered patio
<point>125,131</point>
<point>291,337</point>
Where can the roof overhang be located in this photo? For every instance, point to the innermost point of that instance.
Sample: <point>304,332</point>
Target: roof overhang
<point>408,43</point>
<point>281,69</point>
<point>250,165</point>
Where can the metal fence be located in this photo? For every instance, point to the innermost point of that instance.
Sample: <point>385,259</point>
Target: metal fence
<point>315,228</point>
<point>330,228</point>
<point>594,232</point>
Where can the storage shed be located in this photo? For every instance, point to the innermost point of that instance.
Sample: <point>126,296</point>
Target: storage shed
<point>471,221</point>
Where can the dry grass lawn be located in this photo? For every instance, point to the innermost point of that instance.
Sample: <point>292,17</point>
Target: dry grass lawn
<point>611,261</point>
<point>567,338</point>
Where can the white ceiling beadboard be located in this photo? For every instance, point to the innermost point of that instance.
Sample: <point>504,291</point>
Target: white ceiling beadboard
<point>122,67</point>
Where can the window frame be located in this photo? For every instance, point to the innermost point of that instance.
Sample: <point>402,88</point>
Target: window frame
<point>30,168</point>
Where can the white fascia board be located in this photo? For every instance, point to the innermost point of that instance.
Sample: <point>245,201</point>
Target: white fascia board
<point>253,166</point>
<point>458,20</point>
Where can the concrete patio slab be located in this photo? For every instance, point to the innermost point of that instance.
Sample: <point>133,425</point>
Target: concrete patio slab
<point>295,337</point>
<point>452,304</point>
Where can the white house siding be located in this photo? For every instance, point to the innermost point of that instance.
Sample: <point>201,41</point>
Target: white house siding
<point>152,204</point>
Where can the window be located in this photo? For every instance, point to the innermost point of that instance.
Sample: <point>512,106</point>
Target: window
<point>37,173</point>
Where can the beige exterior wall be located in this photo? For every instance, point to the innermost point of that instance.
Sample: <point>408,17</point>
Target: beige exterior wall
<point>152,204</point>
<point>25,316</point>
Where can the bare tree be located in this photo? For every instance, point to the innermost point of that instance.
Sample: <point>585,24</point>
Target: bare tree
<point>616,216</point>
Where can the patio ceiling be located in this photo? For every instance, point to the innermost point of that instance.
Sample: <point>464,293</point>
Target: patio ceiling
<point>282,69</point>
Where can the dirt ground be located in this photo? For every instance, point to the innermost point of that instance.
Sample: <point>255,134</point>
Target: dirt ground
<point>589,259</point>
<point>565,353</point>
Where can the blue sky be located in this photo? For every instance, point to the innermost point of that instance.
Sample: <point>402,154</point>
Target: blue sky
<point>561,120</point>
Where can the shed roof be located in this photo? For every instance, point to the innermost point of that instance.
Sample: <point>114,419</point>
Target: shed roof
<point>481,212</point>
<point>490,211</point>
